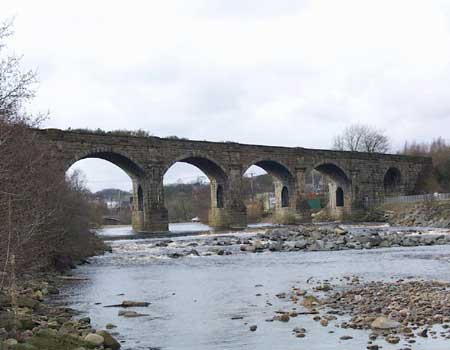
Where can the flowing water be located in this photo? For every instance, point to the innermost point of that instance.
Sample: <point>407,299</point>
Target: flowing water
<point>194,298</point>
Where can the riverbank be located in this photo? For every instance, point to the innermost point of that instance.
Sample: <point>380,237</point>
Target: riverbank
<point>29,321</point>
<point>427,214</point>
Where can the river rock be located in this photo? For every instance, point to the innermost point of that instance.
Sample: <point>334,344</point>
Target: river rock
<point>109,340</point>
<point>131,314</point>
<point>131,303</point>
<point>340,231</point>
<point>393,339</point>
<point>301,244</point>
<point>384,323</point>
<point>95,339</point>
<point>10,342</point>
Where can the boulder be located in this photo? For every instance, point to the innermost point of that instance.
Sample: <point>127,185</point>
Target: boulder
<point>301,244</point>
<point>94,339</point>
<point>384,323</point>
<point>340,231</point>
<point>10,342</point>
<point>276,246</point>
<point>109,340</point>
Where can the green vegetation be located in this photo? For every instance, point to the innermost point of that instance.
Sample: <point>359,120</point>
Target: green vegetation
<point>119,132</point>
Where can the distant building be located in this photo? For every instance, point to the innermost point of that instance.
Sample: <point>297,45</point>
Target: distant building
<point>268,200</point>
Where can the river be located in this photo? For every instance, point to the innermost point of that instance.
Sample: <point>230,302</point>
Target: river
<point>194,298</point>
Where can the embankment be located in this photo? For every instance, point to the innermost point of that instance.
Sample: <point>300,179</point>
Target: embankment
<point>425,214</point>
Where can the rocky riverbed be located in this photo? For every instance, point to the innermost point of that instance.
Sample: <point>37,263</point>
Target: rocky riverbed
<point>28,321</point>
<point>396,312</point>
<point>316,238</point>
<point>301,238</point>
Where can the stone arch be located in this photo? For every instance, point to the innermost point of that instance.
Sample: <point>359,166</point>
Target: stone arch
<point>392,181</point>
<point>339,188</point>
<point>334,172</point>
<point>132,168</point>
<point>212,168</point>
<point>284,187</point>
<point>220,200</point>
<point>273,167</point>
<point>215,172</point>
<point>118,158</point>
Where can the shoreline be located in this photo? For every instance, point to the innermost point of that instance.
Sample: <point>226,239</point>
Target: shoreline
<point>30,320</point>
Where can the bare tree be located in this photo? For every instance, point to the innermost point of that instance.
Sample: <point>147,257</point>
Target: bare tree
<point>39,208</point>
<point>362,138</point>
<point>16,85</point>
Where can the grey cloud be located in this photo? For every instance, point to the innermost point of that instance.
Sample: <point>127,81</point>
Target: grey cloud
<point>291,73</point>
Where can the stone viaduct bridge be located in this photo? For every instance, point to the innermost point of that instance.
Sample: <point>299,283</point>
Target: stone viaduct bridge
<point>357,181</point>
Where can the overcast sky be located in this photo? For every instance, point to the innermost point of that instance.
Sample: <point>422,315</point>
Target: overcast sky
<point>278,72</point>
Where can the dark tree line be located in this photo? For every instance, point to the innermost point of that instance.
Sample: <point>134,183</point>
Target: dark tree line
<point>438,180</point>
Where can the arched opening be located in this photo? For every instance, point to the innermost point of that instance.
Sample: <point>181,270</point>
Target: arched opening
<point>219,196</point>
<point>107,180</point>
<point>334,173</point>
<point>284,197</point>
<point>258,194</point>
<point>192,187</point>
<point>392,182</point>
<point>339,197</point>
<point>268,194</point>
<point>140,198</point>
<point>338,184</point>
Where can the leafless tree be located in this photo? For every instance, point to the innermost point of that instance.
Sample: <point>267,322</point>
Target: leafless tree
<point>362,138</point>
<point>438,178</point>
<point>39,208</point>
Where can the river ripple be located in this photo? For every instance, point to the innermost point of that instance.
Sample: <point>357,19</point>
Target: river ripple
<point>194,298</point>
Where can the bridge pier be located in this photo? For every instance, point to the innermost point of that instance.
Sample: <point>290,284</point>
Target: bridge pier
<point>149,213</point>
<point>291,205</point>
<point>227,207</point>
